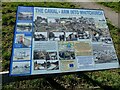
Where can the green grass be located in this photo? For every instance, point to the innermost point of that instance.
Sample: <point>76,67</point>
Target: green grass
<point>114,5</point>
<point>107,77</point>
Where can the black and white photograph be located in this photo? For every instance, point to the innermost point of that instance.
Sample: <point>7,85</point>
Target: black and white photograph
<point>101,35</point>
<point>40,65</point>
<point>51,56</point>
<point>25,16</point>
<point>56,36</point>
<point>22,54</point>
<point>40,36</point>
<point>43,55</point>
<point>71,36</point>
<point>38,54</point>
<point>107,40</point>
<point>96,36</point>
<point>21,67</point>
<point>67,24</point>
<point>66,55</point>
<point>104,53</point>
<point>24,27</point>
<point>53,65</point>
<point>83,34</point>
<point>40,24</point>
<point>23,41</point>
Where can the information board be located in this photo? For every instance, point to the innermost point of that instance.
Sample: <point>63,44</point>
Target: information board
<point>59,40</point>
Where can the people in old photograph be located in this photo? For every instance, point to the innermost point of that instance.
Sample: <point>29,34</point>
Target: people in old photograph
<point>21,67</point>
<point>40,65</point>
<point>24,41</point>
<point>24,27</point>
<point>104,54</point>
<point>82,34</point>
<point>107,40</point>
<point>56,36</point>
<point>96,36</point>
<point>106,36</point>
<point>40,36</point>
<point>71,36</point>
<point>20,38</point>
<point>21,54</point>
<point>25,16</point>
<point>52,65</point>
<point>66,55</point>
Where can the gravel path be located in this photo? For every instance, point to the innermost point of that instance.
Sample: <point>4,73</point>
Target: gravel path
<point>109,13</point>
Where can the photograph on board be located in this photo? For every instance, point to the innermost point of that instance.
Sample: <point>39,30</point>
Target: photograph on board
<point>40,36</point>
<point>24,27</point>
<point>101,35</point>
<point>40,65</point>
<point>21,67</point>
<point>38,54</point>
<point>66,55</point>
<point>56,36</point>
<point>106,36</point>
<point>22,41</point>
<point>81,34</point>
<point>104,53</point>
<point>71,36</point>
<point>40,24</point>
<point>25,16</point>
<point>53,24</point>
<point>69,24</point>
<point>21,54</point>
<point>43,55</point>
<point>51,56</point>
<point>53,65</point>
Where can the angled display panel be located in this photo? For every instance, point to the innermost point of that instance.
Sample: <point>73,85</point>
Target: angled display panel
<point>57,40</point>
